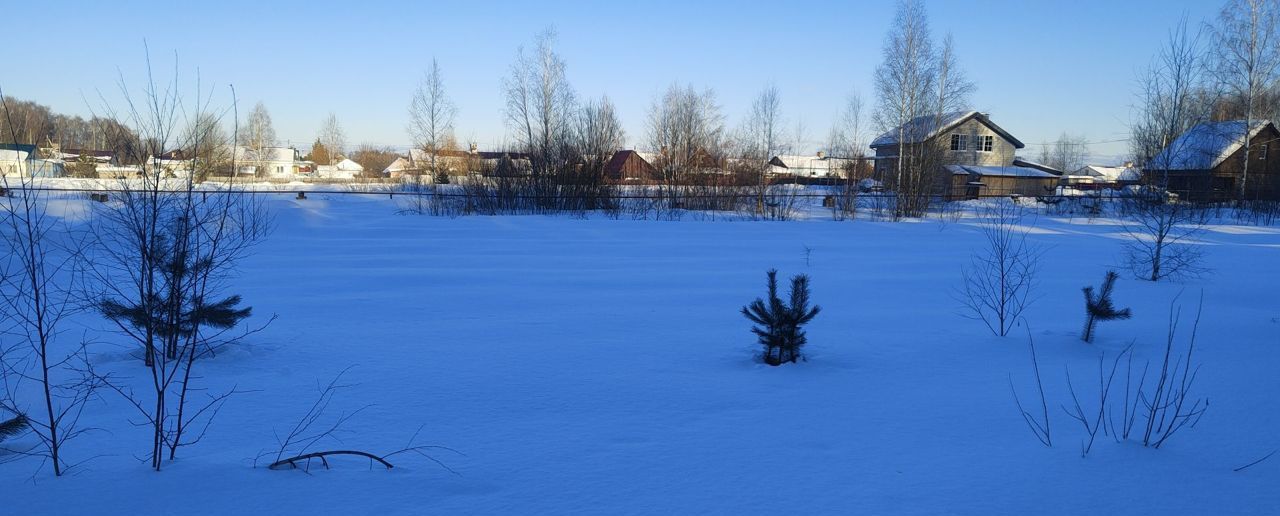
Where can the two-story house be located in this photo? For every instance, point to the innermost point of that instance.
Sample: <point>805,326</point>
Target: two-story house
<point>970,155</point>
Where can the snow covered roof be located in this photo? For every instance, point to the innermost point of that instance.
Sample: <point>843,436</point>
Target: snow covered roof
<point>419,155</point>
<point>922,128</point>
<point>651,157</point>
<point>1109,173</point>
<point>808,162</point>
<point>349,166</point>
<point>14,155</point>
<point>1000,171</point>
<point>401,163</point>
<point>1206,145</point>
<point>268,154</point>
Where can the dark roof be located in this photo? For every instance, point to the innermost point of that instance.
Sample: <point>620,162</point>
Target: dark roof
<point>1019,162</point>
<point>923,128</point>
<point>22,147</point>
<point>499,155</point>
<point>619,159</point>
<point>87,152</point>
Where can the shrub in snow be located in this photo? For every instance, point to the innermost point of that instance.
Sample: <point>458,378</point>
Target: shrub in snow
<point>295,451</point>
<point>1161,239</point>
<point>778,323</point>
<point>1156,399</point>
<point>1098,307</point>
<point>999,279</point>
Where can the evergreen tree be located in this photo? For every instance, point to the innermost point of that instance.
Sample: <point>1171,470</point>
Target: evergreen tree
<point>176,308</point>
<point>12,427</point>
<point>319,153</point>
<point>779,325</point>
<point>1099,307</point>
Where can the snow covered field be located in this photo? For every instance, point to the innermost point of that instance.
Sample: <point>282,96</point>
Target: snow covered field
<point>601,367</point>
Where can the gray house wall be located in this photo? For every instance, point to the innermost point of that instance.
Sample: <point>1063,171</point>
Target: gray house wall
<point>1001,154</point>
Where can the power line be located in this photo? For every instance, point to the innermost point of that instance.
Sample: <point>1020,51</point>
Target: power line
<point>1082,143</point>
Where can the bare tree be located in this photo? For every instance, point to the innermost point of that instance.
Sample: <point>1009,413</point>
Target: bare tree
<point>597,135</point>
<point>38,370</point>
<point>206,145</point>
<point>261,135</point>
<point>1245,59</point>
<point>763,137</point>
<point>686,127</point>
<point>999,282</point>
<point>333,138</point>
<point>540,103</point>
<point>1067,153</point>
<point>374,158</point>
<point>847,141</point>
<point>1161,238</point>
<point>161,256</point>
<point>847,138</point>
<point>1171,100</point>
<point>913,83</point>
<point>953,87</point>
<point>598,131</point>
<point>431,116</point>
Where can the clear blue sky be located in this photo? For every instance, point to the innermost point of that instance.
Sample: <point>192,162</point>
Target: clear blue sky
<point>1041,67</point>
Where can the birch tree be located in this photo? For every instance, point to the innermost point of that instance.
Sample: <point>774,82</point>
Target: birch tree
<point>261,135</point>
<point>914,82</point>
<point>684,125</point>
<point>847,136</point>
<point>1245,60</point>
<point>333,138</point>
<point>431,117</point>
<point>1173,99</point>
<point>38,283</point>
<point>598,132</point>
<point>540,103</point>
<point>764,133</point>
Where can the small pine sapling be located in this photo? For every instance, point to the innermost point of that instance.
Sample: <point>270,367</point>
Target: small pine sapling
<point>1099,307</point>
<point>13,426</point>
<point>779,324</point>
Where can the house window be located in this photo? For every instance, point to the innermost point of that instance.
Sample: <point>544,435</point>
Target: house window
<point>959,142</point>
<point>985,143</point>
<point>1263,153</point>
<point>279,170</point>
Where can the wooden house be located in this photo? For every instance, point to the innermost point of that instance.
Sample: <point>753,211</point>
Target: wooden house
<point>628,166</point>
<point>1207,163</point>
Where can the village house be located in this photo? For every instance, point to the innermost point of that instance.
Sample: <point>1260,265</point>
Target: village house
<point>173,162</point>
<point>629,166</point>
<point>454,162</point>
<point>20,160</point>
<point>270,162</point>
<point>976,157</point>
<point>817,166</point>
<point>1093,177</point>
<point>345,169</point>
<point>1207,162</point>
